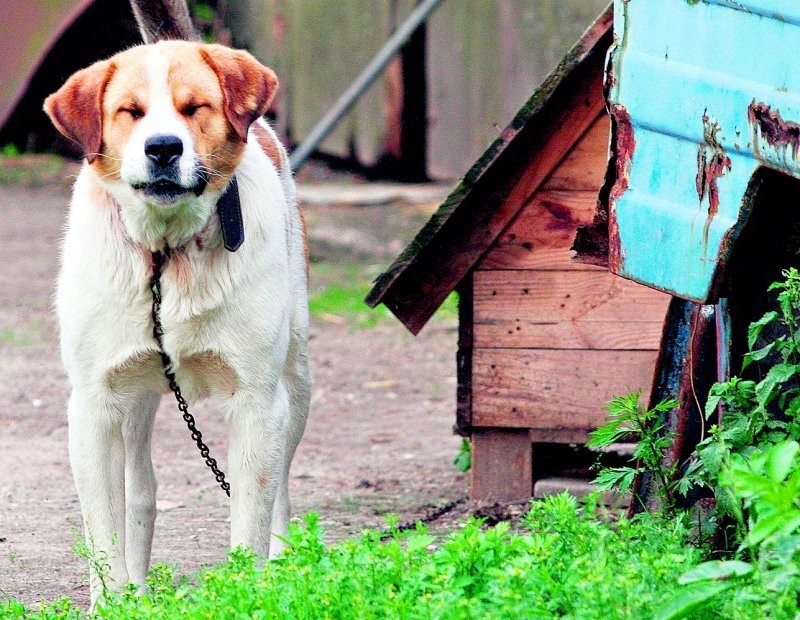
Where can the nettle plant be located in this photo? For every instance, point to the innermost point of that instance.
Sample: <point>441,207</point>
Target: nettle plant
<point>749,459</point>
<point>627,418</point>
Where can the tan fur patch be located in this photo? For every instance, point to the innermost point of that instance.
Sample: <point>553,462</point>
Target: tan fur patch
<point>212,372</point>
<point>197,95</point>
<point>269,145</point>
<point>128,89</point>
<point>181,269</point>
<point>76,108</point>
<point>133,373</point>
<point>247,86</point>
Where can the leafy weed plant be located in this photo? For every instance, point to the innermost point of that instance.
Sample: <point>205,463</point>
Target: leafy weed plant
<point>627,418</point>
<point>562,562</point>
<point>750,460</point>
<point>749,424</point>
<point>463,460</point>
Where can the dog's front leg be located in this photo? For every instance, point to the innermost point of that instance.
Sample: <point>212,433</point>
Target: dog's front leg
<point>258,426</point>
<point>97,457</point>
<point>140,486</point>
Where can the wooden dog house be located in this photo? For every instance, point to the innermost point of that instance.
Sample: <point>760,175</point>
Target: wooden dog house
<point>544,342</point>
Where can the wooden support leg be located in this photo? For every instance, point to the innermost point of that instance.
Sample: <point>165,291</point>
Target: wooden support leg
<point>687,367</point>
<point>501,465</point>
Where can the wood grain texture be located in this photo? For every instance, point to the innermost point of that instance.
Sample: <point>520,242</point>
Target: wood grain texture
<point>585,166</point>
<point>502,469</point>
<point>552,389</point>
<point>565,310</point>
<point>541,234</point>
<point>559,435</point>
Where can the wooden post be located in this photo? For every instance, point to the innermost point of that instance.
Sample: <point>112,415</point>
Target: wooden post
<point>686,369</point>
<point>464,358</point>
<point>502,467</point>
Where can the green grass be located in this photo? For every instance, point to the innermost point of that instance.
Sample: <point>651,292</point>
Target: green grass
<point>344,303</point>
<point>30,170</point>
<point>340,297</point>
<point>15,339</point>
<point>27,332</point>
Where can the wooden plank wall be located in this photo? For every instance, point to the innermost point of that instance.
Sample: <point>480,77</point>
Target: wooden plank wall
<point>317,47</point>
<point>485,59</point>
<point>554,340</point>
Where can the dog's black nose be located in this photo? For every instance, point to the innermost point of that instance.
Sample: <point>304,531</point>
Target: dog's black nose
<point>163,149</point>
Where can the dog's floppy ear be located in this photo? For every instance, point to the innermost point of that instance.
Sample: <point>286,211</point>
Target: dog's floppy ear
<point>76,108</point>
<point>247,86</point>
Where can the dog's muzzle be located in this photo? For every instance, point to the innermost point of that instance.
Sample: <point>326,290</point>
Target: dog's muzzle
<point>163,153</point>
<point>167,191</point>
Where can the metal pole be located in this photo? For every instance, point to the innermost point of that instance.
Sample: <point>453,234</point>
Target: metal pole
<point>335,114</point>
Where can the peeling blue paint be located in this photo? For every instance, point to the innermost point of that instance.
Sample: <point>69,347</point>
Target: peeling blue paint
<point>722,103</point>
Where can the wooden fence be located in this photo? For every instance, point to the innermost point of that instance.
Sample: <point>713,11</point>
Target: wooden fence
<point>476,62</point>
<point>484,58</point>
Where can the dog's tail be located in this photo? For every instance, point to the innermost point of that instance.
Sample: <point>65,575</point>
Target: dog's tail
<point>163,19</point>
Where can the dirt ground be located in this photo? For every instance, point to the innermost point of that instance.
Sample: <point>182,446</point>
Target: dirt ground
<point>379,439</point>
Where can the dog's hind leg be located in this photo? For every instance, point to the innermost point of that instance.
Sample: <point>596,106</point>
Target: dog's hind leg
<point>97,456</point>
<point>140,486</point>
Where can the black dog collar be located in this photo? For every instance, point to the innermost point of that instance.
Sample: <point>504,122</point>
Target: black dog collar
<point>230,217</point>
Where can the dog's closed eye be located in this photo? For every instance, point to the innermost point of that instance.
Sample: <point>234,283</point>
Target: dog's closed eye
<point>190,109</point>
<point>134,111</point>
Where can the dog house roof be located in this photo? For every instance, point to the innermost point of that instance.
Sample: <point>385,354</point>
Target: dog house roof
<point>31,41</point>
<point>499,183</point>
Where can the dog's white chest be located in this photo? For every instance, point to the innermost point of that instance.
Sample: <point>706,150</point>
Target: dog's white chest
<point>199,375</point>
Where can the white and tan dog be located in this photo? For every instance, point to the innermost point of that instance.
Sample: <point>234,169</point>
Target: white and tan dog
<point>164,128</point>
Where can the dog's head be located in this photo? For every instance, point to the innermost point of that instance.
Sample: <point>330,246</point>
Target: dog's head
<point>164,122</point>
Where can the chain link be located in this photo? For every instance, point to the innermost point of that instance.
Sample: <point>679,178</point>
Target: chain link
<point>158,260</point>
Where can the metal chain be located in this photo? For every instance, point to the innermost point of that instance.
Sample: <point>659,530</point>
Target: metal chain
<point>158,260</point>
